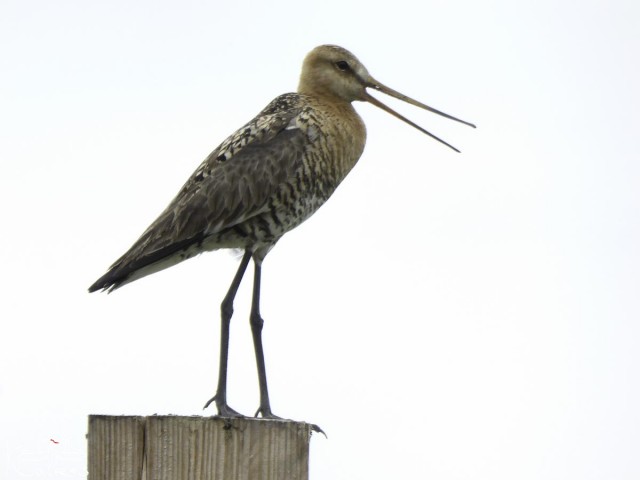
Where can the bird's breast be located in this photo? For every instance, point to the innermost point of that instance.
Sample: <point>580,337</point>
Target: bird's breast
<point>336,137</point>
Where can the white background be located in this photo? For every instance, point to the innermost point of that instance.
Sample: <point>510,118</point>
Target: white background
<point>449,316</point>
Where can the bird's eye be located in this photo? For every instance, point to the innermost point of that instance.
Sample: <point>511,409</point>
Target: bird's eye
<point>342,66</point>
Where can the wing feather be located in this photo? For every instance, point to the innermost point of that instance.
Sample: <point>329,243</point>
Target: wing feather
<point>233,184</point>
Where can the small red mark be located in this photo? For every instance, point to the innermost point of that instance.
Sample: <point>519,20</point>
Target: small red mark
<point>53,441</point>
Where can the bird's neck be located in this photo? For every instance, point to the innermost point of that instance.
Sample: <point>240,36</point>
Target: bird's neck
<point>342,127</point>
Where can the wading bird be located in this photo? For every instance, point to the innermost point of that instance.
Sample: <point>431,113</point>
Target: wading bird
<point>264,180</point>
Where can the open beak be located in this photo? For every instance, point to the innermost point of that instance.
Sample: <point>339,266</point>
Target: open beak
<point>389,91</point>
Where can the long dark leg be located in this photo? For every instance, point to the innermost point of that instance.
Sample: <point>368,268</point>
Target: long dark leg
<point>226,310</point>
<point>256,331</point>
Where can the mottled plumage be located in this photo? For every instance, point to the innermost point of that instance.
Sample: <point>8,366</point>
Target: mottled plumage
<point>262,181</point>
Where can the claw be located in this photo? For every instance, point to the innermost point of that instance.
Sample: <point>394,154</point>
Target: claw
<point>227,411</point>
<point>266,413</point>
<point>224,410</point>
<point>212,399</point>
<point>317,429</point>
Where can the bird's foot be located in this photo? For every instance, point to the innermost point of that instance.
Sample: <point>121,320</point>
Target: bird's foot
<point>265,412</point>
<point>317,429</point>
<point>224,410</point>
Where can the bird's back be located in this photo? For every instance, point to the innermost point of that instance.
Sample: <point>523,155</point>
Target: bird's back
<point>261,182</point>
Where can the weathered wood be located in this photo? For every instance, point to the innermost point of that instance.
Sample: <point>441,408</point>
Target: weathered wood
<point>197,448</point>
<point>115,447</point>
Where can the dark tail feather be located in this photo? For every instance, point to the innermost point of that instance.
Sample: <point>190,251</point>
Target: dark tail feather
<point>103,283</point>
<point>120,271</point>
<point>110,280</point>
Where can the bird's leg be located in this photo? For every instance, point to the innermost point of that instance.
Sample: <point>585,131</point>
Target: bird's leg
<point>256,330</point>
<point>226,310</point>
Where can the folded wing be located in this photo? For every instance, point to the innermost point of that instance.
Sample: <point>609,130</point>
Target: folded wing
<point>232,185</point>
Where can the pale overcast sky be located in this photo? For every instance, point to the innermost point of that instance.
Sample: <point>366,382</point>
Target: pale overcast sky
<point>443,316</point>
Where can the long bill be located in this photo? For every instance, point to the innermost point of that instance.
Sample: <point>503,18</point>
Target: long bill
<point>389,91</point>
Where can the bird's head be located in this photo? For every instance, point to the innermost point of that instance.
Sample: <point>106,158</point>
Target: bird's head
<point>334,72</point>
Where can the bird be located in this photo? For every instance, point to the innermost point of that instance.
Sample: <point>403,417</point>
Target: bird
<point>261,182</point>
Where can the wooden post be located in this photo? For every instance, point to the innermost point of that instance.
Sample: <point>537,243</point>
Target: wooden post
<point>115,447</point>
<point>197,448</point>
